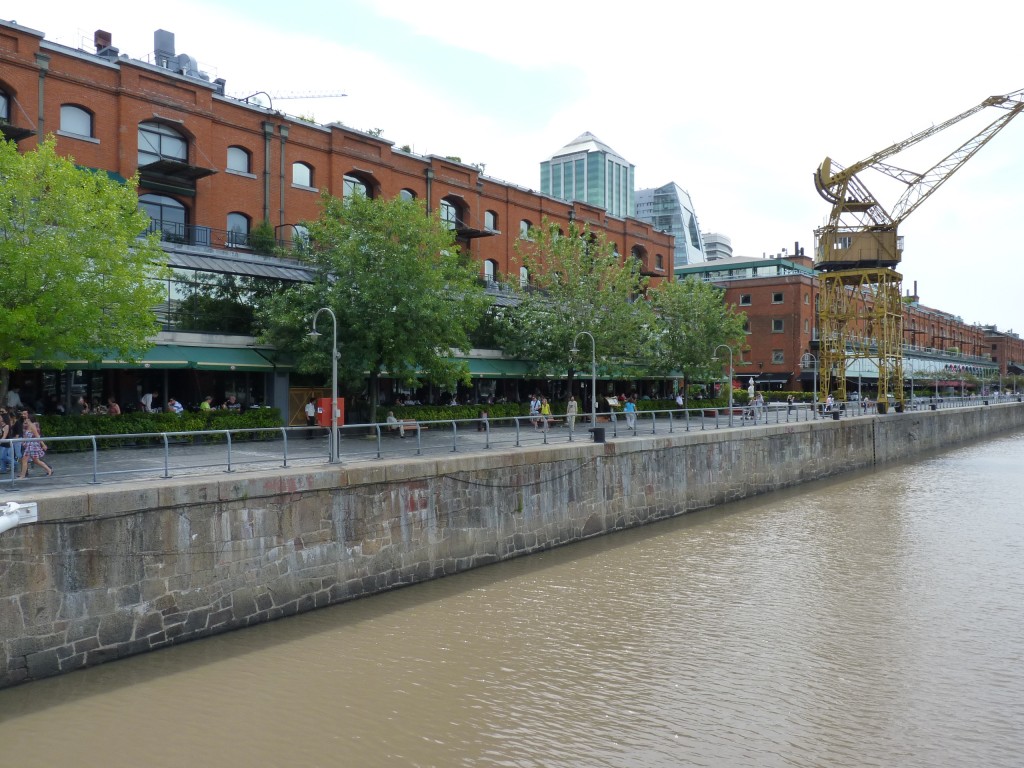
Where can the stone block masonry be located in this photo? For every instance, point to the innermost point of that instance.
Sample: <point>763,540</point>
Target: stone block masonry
<point>128,568</point>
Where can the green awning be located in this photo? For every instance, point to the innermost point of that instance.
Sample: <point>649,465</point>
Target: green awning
<point>112,175</point>
<point>236,358</point>
<point>168,357</point>
<point>171,357</point>
<point>495,368</point>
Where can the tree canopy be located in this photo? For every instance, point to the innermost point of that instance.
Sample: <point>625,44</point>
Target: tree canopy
<point>77,278</point>
<point>692,320</point>
<point>577,282</point>
<point>403,295</point>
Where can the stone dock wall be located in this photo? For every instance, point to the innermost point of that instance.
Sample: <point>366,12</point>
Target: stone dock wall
<point>116,570</point>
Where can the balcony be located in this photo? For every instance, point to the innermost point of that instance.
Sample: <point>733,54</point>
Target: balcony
<point>209,237</point>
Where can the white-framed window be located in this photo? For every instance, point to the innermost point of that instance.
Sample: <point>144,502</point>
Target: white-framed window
<point>524,277</point>
<point>239,160</point>
<point>238,230</point>
<point>75,120</point>
<point>778,325</point>
<point>778,357</point>
<point>745,300</point>
<point>490,271</point>
<point>524,229</point>
<point>407,194</point>
<point>161,142</point>
<point>302,175</point>
<point>5,107</point>
<point>777,297</point>
<point>491,221</point>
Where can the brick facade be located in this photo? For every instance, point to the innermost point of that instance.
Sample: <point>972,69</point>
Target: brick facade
<point>120,93</point>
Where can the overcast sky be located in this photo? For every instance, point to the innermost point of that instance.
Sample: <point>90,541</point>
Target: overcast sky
<point>737,102</point>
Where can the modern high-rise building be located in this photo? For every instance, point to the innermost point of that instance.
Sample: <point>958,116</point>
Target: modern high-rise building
<point>716,246</point>
<point>588,170</point>
<point>670,209</point>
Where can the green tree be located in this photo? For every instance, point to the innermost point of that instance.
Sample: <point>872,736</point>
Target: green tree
<point>577,282</point>
<point>76,279</point>
<point>403,295</point>
<point>692,319</point>
<point>222,303</point>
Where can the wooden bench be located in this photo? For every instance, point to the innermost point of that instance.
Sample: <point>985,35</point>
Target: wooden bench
<point>401,426</point>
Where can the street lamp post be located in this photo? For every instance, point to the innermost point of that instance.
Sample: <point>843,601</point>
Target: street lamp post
<point>593,374</point>
<point>333,442</point>
<point>715,352</point>
<point>815,406</point>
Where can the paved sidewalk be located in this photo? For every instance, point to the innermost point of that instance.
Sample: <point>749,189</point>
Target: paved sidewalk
<point>182,459</point>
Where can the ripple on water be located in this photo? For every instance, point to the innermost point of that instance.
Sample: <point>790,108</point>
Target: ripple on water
<point>872,620</point>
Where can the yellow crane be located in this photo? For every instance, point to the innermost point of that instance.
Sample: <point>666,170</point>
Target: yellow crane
<point>860,307</point>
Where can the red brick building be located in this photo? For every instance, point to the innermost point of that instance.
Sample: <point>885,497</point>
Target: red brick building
<point>219,156</point>
<point>213,168</point>
<point>779,297</point>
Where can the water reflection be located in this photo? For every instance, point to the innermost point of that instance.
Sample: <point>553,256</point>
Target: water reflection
<point>872,620</point>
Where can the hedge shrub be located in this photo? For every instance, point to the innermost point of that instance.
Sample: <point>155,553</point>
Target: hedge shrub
<point>154,424</point>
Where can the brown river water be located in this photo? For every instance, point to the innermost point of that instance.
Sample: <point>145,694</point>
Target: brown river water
<point>872,620</point>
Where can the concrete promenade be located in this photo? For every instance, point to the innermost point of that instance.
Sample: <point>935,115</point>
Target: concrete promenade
<point>309,449</point>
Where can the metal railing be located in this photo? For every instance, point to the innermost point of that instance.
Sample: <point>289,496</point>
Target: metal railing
<point>169,454</point>
<point>211,237</point>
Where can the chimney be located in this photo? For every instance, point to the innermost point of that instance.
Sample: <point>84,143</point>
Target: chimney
<point>163,49</point>
<point>102,40</point>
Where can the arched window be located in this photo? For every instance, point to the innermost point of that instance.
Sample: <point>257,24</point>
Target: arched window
<point>491,221</point>
<point>524,229</point>
<point>75,120</point>
<point>170,217</point>
<point>449,213</point>
<point>407,194</point>
<point>300,237</point>
<point>238,231</point>
<point>524,277</point>
<point>356,185</point>
<point>302,175</point>
<point>490,271</point>
<point>239,160</point>
<point>640,254</point>
<point>161,142</point>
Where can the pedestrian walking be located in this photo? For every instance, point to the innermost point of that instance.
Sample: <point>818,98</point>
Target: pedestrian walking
<point>760,409</point>
<point>570,413</point>
<point>630,410</point>
<point>35,449</point>
<point>310,410</point>
<point>545,412</point>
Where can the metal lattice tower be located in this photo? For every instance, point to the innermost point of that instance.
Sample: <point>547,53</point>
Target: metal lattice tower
<point>860,317</point>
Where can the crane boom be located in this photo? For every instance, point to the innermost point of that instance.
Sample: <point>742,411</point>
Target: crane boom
<point>829,184</point>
